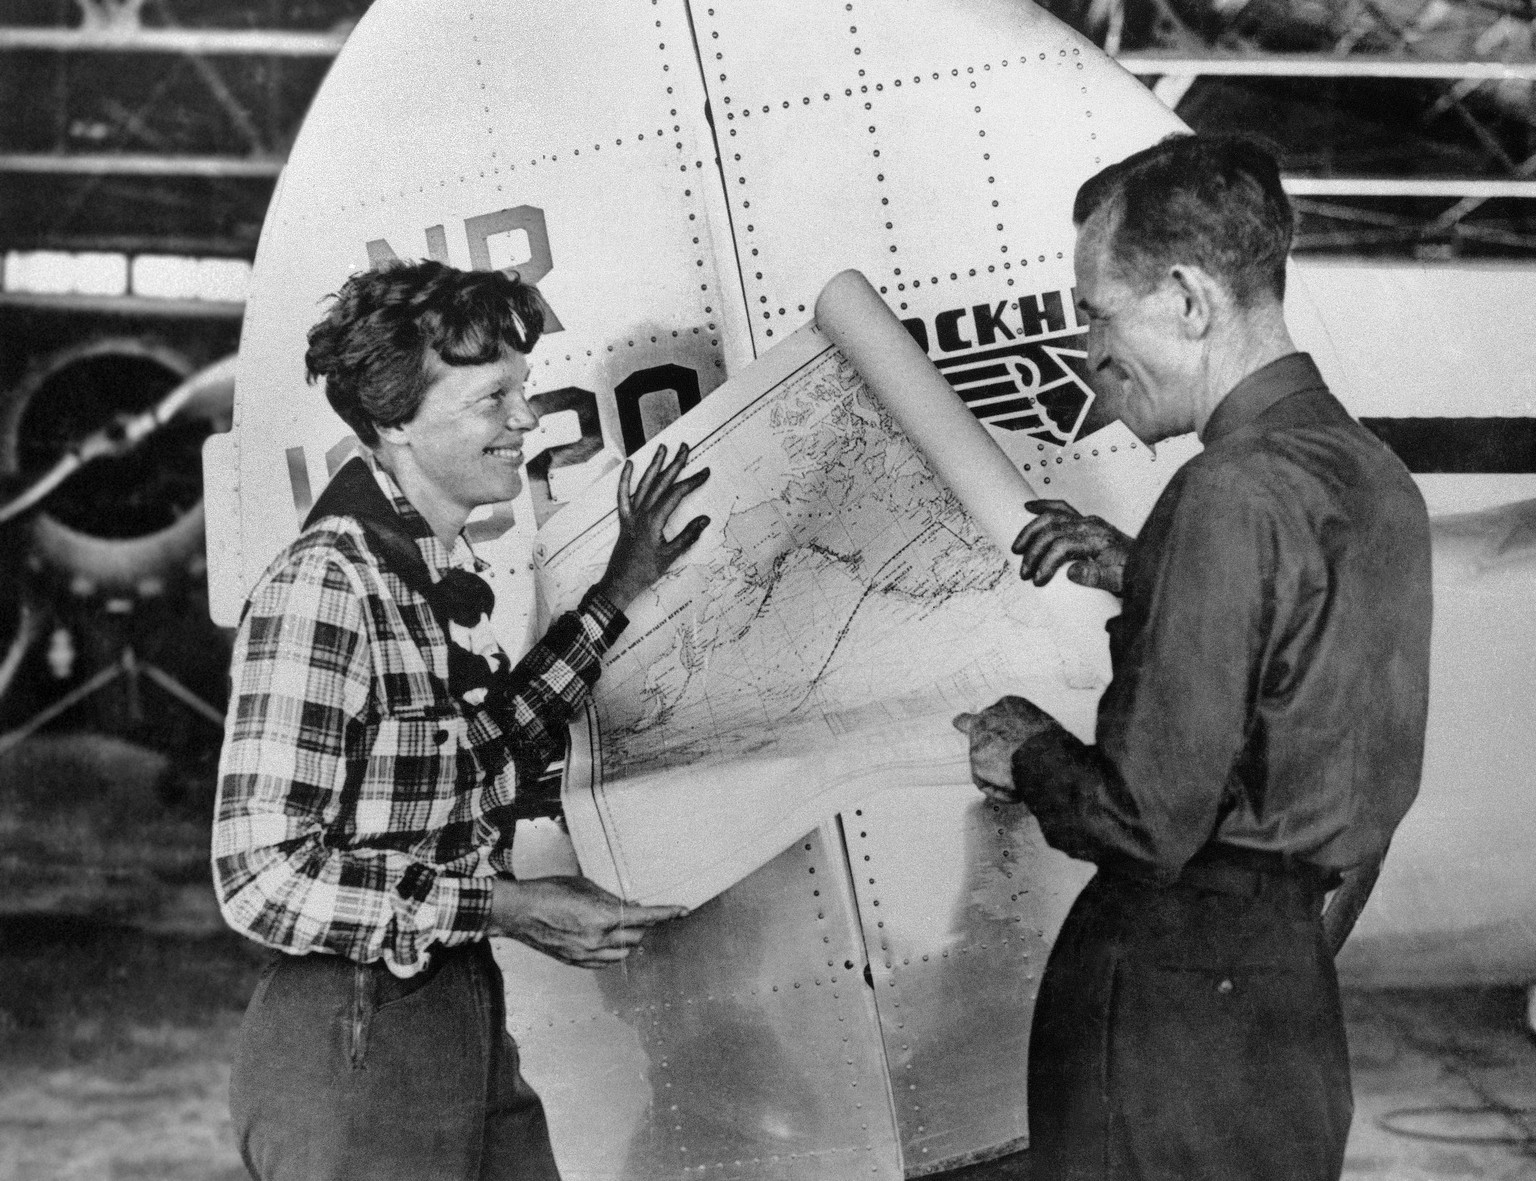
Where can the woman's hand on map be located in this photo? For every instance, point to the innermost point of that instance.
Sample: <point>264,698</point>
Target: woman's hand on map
<point>642,553</point>
<point>1060,534</point>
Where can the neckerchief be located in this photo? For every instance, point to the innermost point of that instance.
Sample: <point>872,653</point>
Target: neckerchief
<point>459,597</point>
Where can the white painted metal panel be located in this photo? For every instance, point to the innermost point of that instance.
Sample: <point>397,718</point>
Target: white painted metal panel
<point>957,939</point>
<point>1427,340</point>
<point>588,127</point>
<point>740,1041</point>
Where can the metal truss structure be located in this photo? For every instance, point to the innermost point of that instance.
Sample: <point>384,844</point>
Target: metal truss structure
<point>1408,124</point>
<point>155,125</point>
<point>1452,82</point>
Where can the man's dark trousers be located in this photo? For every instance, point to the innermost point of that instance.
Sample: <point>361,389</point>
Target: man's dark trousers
<point>346,1073</point>
<point>1190,1033</point>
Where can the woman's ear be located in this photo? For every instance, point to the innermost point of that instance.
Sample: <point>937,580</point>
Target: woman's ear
<point>394,436</point>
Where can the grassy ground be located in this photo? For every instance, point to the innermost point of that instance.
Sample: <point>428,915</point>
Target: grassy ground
<point>73,993</point>
<point>120,988</point>
<point>114,1052</point>
<point>97,826</point>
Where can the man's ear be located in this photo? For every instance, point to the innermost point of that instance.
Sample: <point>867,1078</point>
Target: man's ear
<point>1199,299</point>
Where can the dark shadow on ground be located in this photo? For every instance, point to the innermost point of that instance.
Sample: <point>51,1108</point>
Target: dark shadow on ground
<point>75,992</point>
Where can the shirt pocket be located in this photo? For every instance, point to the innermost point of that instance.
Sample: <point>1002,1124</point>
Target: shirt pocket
<point>416,763</point>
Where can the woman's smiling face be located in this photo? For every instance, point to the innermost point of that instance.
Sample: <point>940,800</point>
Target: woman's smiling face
<point>466,439</point>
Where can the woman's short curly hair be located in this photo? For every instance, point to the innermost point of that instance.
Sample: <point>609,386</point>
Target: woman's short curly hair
<point>371,347</point>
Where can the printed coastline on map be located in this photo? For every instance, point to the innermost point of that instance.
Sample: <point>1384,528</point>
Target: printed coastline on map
<point>813,647</point>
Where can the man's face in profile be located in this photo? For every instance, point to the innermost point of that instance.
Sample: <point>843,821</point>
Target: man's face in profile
<point>1139,358</point>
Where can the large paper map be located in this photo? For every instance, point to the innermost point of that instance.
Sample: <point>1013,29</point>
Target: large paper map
<point>838,575</point>
<point>842,606</point>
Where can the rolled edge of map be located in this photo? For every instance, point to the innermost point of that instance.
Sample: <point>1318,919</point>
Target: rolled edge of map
<point>961,452</point>
<point>581,801</point>
<point>956,445</point>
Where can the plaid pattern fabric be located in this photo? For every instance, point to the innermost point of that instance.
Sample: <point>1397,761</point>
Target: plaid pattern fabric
<point>361,809</point>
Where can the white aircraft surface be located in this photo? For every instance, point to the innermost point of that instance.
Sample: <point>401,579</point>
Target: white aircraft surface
<point>680,180</point>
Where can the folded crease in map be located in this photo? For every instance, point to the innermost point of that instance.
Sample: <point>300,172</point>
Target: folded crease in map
<point>852,594</point>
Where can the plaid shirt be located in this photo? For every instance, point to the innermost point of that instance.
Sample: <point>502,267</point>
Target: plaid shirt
<point>361,810</point>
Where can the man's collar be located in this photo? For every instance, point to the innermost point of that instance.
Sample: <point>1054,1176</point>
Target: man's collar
<point>1261,389</point>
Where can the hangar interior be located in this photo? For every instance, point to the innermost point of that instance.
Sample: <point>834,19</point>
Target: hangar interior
<point>140,144</point>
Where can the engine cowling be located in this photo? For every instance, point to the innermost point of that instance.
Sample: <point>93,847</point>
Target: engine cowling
<point>126,525</point>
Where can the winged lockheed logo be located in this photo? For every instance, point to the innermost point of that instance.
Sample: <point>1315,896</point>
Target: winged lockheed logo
<point>1036,386</point>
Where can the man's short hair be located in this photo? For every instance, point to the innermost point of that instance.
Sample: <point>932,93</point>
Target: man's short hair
<point>1212,201</point>
<point>371,347</point>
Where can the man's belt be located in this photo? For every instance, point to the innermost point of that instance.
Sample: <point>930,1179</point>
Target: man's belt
<point>1229,869</point>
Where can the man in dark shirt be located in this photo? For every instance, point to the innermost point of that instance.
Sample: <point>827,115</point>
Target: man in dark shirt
<point>1263,732</point>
